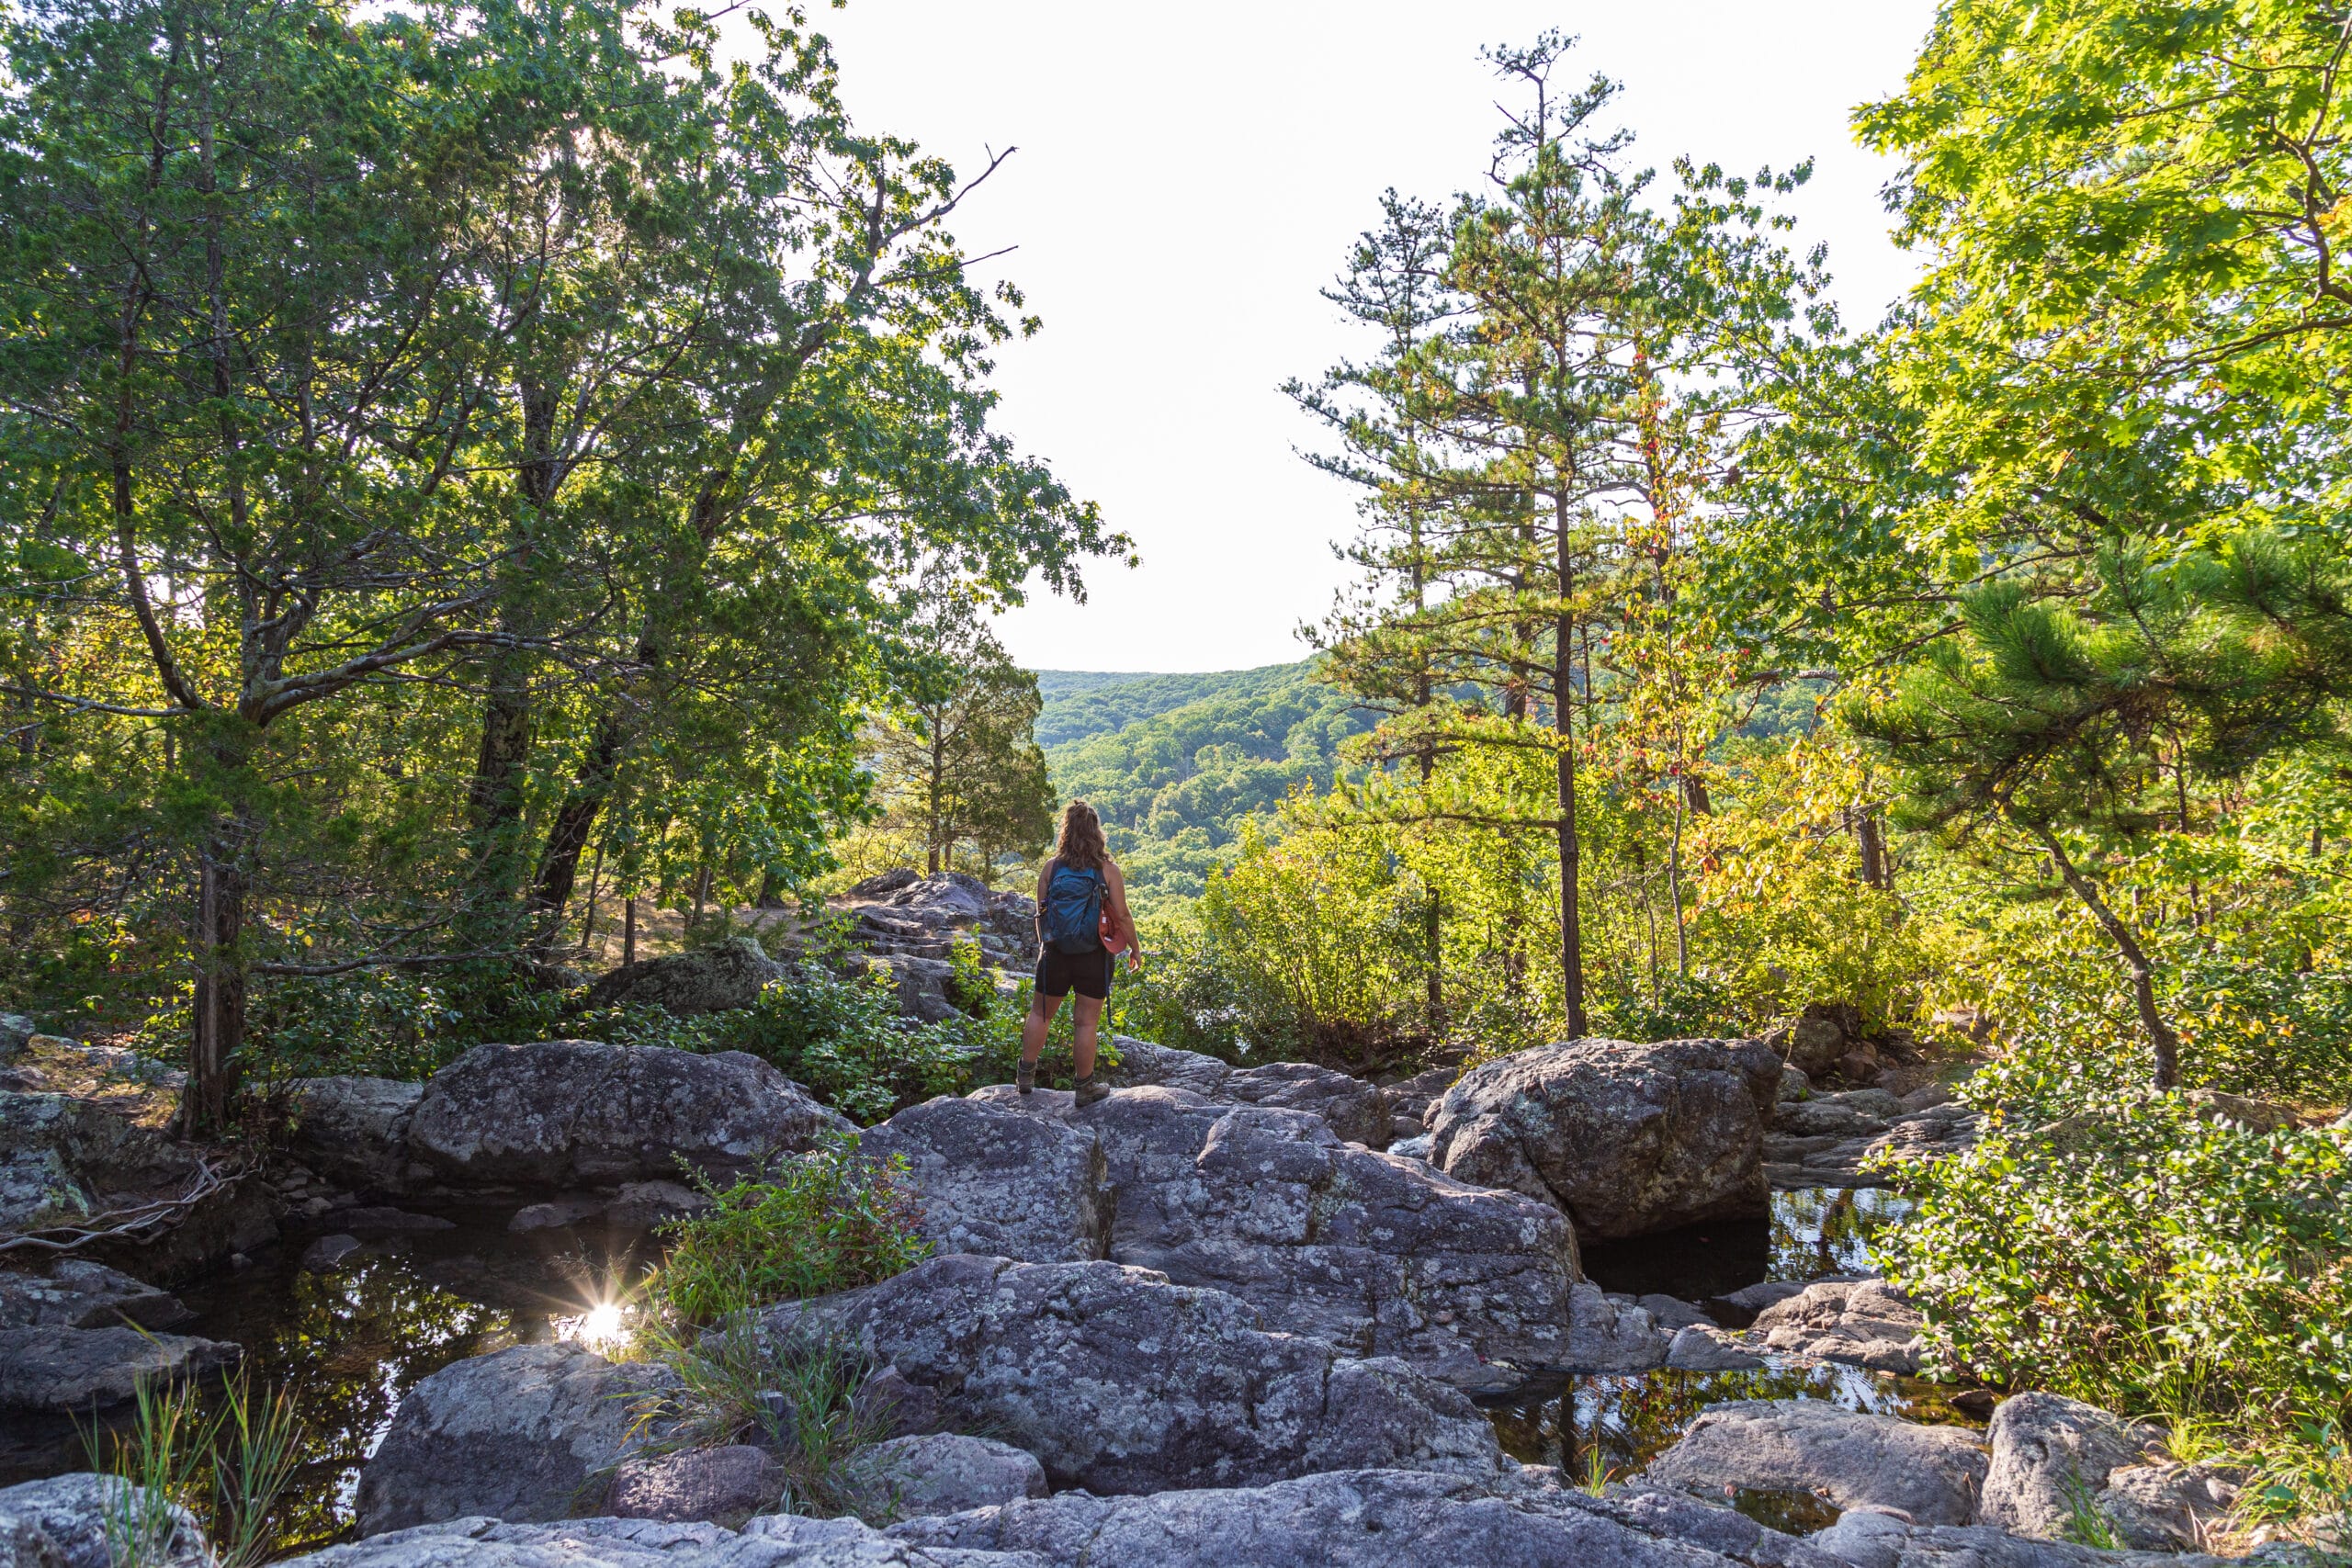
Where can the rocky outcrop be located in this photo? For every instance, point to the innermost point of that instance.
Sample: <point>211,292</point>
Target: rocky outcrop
<point>86,1129</point>
<point>1831,1140</point>
<point>527,1433</point>
<point>580,1113</point>
<point>71,1371</point>
<point>1933,1475</point>
<point>73,1293</point>
<point>1625,1139</point>
<point>2052,1454</point>
<point>1120,1381</point>
<point>924,917</point>
<point>717,979</point>
<point>354,1131</point>
<point>938,1473</point>
<point>721,1487</point>
<point>1355,1110</point>
<point>1377,1255</point>
<point>1857,1323</point>
<point>1413,1101</point>
<point>62,1523</point>
<point>995,1182</point>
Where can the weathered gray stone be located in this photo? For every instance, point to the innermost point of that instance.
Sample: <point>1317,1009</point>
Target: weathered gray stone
<point>75,1292</point>
<point>1862,1539</point>
<point>1851,1457</point>
<point>1835,1140</point>
<point>994,1181</point>
<point>1610,1335</point>
<point>927,917</point>
<point>354,1131</point>
<point>16,1033</point>
<point>1860,1323</point>
<point>938,1473</point>
<point>1120,1381</point>
<point>526,1433</point>
<point>1699,1348</point>
<point>62,1523</point>
<point>1671,1312</point>
<point>2166,1506</point>
<point>1625,1139</point>
<point>2048,1450</point>
<point>1377,1254</point>
<point>1357,1112</point>
<point>1144,1065</point>
<point>577,1112</point>
<point>1370,1519</point>
<point>1415,1099</point>
<point>644,1544</point>
<point>70,1371</point>
<point>717,979</point>
<point>721,1487</point>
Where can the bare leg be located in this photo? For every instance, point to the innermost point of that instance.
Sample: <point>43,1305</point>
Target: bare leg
<point>1087,1016</point>
<point>1041,1019</point>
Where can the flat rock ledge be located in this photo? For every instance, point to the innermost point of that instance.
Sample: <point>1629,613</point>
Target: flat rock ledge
<point>1122,1382</point>
<point>1378,1254</point>
<point>1931,1474</point>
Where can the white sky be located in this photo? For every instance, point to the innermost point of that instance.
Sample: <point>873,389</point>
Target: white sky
<point>1188,176</point>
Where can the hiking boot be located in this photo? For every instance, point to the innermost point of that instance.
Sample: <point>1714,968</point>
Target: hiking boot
<point>1089,1092</point>
<point>1024,1077</point>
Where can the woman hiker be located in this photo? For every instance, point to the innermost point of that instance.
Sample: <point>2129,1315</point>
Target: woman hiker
<point>1082,921</point>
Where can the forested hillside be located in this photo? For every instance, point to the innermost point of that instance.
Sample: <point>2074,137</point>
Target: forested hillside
<point>1177,763</point>
<point>1078,704</point>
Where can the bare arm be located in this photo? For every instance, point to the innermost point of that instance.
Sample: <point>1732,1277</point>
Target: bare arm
<point>1119,912</point>
<point>1044,880</point>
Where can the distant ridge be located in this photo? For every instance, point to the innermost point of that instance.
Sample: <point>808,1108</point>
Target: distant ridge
<point>1081,702</point>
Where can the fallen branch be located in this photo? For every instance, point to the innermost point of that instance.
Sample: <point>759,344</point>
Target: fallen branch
<point>140,1222</point>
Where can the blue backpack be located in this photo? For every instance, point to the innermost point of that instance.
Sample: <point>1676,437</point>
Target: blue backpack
<point>1074,910</point>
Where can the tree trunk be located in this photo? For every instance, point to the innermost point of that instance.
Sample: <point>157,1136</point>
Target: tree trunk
<point>628,930</point>
<point>220,1001</point>
<point>575,819</point>
<point>1873,842</point>
<point>2161,1037</point>
<point>1562,708</point>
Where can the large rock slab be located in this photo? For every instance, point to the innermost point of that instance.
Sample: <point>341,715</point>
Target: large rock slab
<point>993,1180</point>
<point>925,917</point>
<point>1380,1255</point>
<point>1835,1140</point>
<point>717,979</point>
<point>1853,1459</point>
<point>1625,1139</point>
<point>648,1543</point>
<point>527,1433</point>
<point>1380,1518</point>
<point>354,1131</point>
<point>62,1523</point>
<point>580,1113</point>
<point>75,1292</point>
<point>2048,1451</point>
<point>1120,1381</point>
<point>73,1371</point>
<point>1144,1065</point>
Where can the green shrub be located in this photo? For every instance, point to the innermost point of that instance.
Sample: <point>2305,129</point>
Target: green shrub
<point>2139,1257</point>
<point>829,1220</point>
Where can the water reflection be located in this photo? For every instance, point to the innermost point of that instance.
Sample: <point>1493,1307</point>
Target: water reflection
<point>1628,1419</point>
<point>351,1342</point>
<point>1811,1232</point>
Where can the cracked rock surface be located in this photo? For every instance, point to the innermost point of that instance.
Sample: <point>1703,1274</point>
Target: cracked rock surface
<point>1120,1381</point>
<point>563,1113</point>
<point>1379,1255</point>
<point>1626,1139</point>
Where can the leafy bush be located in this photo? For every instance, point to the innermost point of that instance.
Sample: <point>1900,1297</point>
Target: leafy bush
<point>2139,1257</point>
<point>2264,1030</point>
<point>829,1220</point>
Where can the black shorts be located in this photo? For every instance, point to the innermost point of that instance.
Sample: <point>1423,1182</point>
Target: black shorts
<point>1059,972</point>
